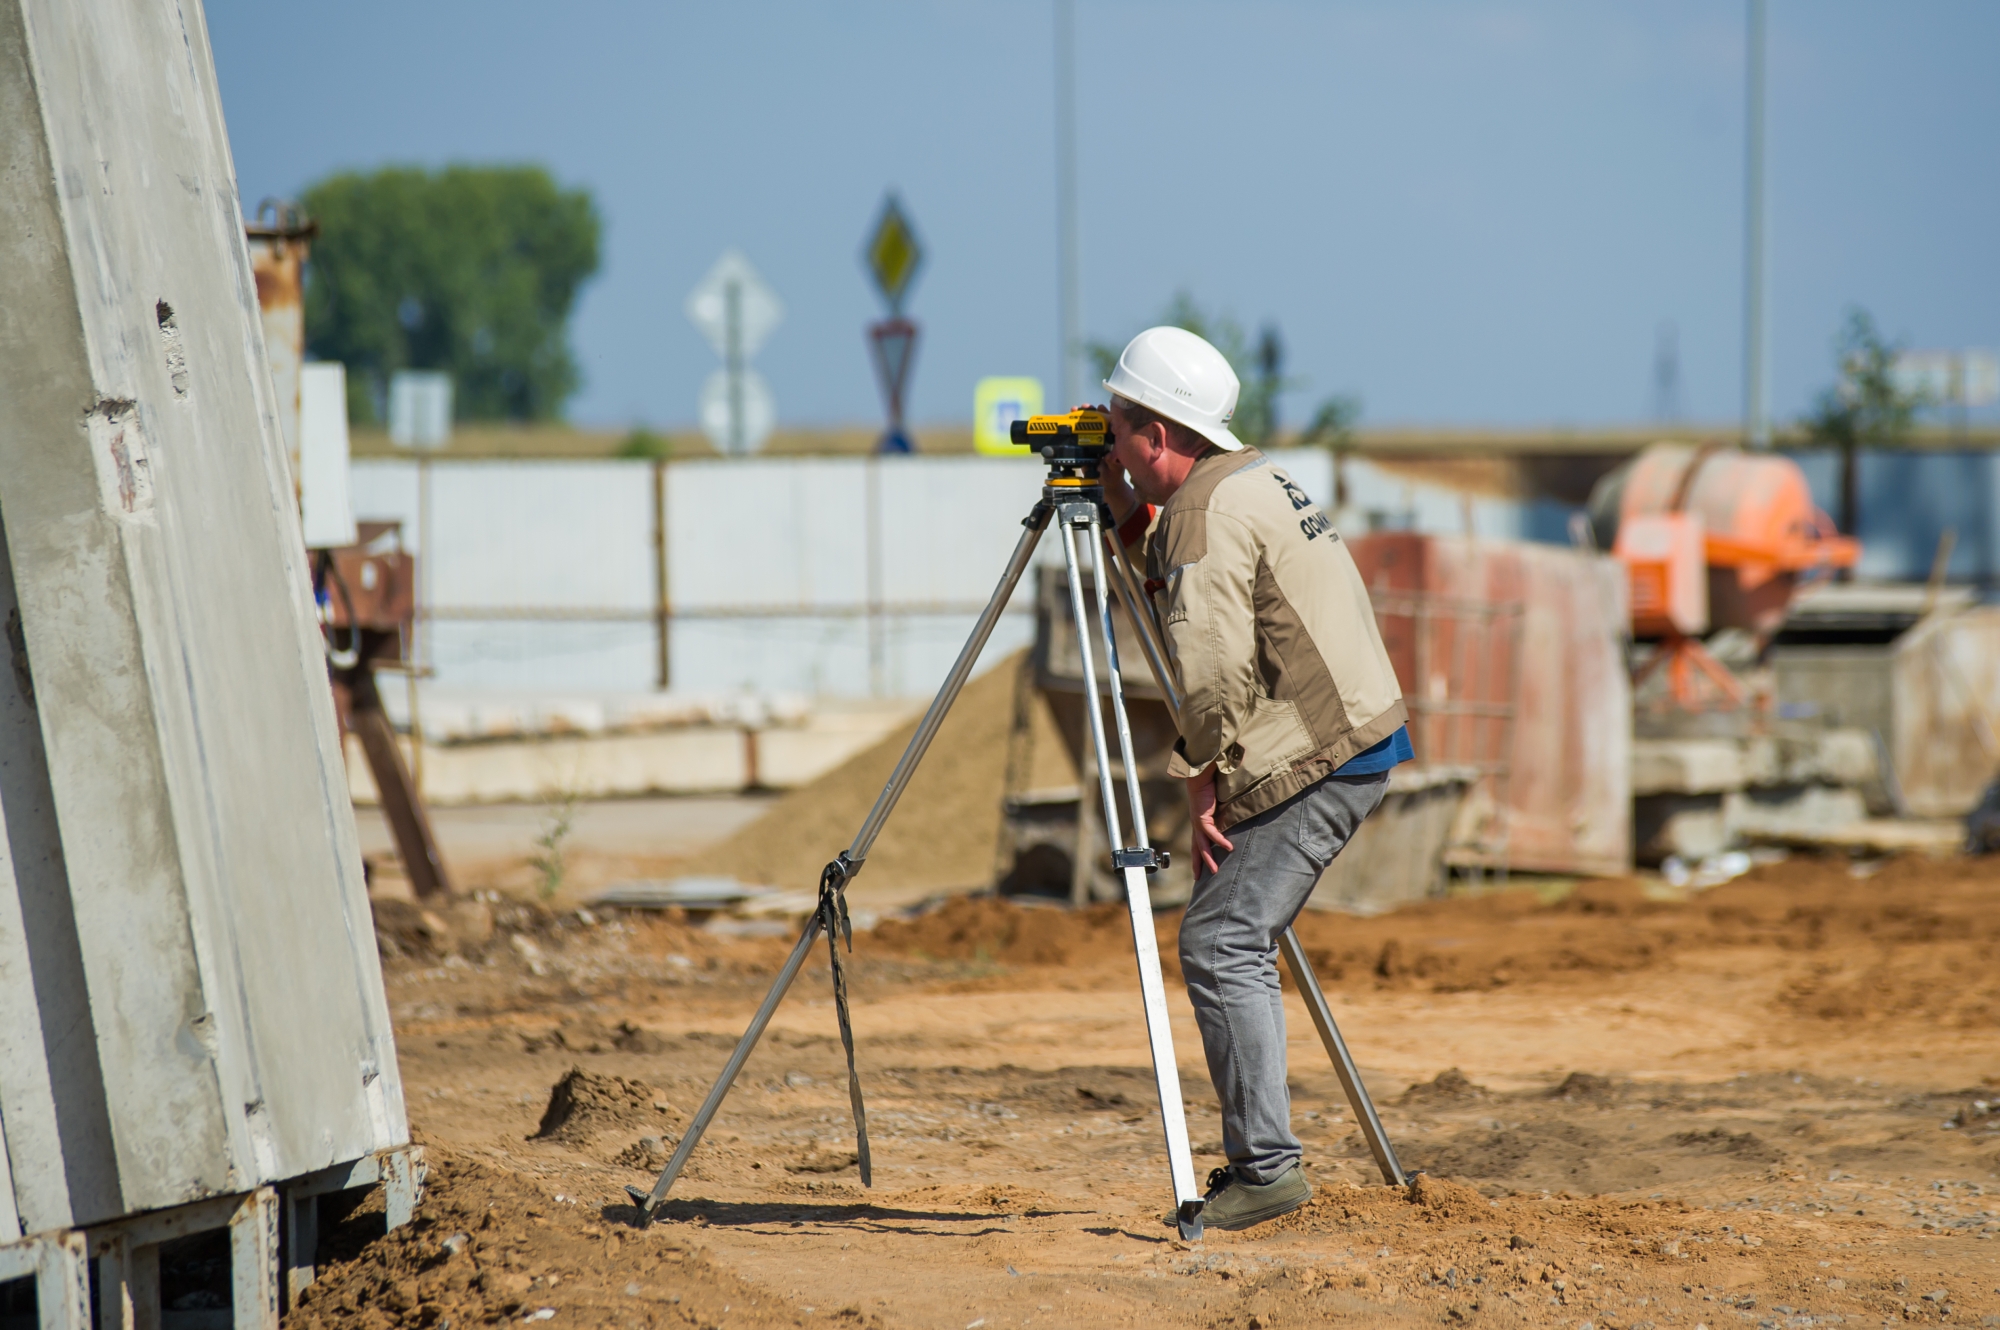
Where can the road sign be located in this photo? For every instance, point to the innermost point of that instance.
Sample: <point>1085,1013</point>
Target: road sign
<point>737,411</point>
<point>893,254</point>
<point>420,409</point>
<point>894,343</point>
<point>1948,378</point>
<point>733,307</point>
<point>996,404</point>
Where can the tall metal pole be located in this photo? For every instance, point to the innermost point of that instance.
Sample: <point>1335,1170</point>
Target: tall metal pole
<point>663,613</point>
<point>1069,317</point>
<point>878,646</point>
<point>1756,340</point>
<point>732,306</point>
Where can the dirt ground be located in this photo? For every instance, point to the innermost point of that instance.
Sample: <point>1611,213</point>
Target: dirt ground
<point>1775,1103</point>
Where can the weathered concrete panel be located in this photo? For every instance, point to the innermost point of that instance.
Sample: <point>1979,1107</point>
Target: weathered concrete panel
<point>1944,679</point>
<point>187,737</point>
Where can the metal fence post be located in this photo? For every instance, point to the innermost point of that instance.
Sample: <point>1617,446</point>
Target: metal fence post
<point>662,602</point>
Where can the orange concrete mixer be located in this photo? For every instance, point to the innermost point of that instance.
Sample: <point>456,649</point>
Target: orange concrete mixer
<point>1711,537</point>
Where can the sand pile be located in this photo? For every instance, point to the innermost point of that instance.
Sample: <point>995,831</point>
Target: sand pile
<point>945,832</point>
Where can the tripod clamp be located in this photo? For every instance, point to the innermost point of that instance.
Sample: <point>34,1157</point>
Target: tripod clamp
<point>1149,857</point>
<point>831,915</point>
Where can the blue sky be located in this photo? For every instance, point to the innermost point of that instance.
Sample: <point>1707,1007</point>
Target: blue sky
<point>1462,211</point>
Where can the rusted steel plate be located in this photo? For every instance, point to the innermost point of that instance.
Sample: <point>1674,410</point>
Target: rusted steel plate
<point>1509,655</point>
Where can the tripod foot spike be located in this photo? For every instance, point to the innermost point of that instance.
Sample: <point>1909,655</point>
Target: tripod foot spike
<point>1189,1220</point>
<point>644,1203</point>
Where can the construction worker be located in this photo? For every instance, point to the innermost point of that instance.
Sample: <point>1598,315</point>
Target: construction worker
<point>1290,721</point>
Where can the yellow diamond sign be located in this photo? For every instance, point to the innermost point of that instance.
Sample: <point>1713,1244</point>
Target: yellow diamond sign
<point>893,254</point>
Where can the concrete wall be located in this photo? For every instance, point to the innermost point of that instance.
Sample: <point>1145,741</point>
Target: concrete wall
<point>193,999</point>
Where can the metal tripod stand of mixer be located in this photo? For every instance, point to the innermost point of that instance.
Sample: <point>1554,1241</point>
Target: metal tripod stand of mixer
<point>1072,447</point>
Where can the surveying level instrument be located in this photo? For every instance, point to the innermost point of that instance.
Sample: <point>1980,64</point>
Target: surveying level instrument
<point>1084,428</point>
<point>1073,447</point>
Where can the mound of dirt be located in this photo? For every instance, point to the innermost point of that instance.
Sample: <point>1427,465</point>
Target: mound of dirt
<point>583,1104</point>
<point>459,1264</point>
<point>1451,1200</point>
<point>946,830</point>
<point>1581,1086</point>
<point>986,928</point>
<point>1746,1147</point>
<point>1450,1086</point>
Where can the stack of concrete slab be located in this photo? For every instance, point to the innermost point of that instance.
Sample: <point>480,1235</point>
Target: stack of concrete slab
<point>1883,729</point>
<point>1699,796</point>
<point>477,747</point>
<point>196,1033</point>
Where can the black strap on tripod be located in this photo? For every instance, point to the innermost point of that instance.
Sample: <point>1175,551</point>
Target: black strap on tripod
<point>833,918</point>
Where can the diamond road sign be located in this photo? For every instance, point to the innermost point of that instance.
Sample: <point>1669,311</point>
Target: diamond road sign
<point>893,254</point>
<point>732,305</point>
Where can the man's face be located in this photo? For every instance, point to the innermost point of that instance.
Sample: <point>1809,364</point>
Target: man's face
<point>1145,456</point>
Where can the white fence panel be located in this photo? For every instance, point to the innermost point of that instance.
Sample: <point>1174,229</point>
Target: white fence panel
<point>541,575</point>
<point>571,535</point>
<point>828,576</point>
<point>769,533</point>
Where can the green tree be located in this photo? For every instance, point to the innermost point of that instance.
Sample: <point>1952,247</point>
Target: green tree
<point>471,269</point>
<point>1865,407</point>
<point>1259,369</point>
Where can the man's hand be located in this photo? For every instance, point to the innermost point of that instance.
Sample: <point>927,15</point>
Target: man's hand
<point>1118,491</point>
<point>1201,814</point>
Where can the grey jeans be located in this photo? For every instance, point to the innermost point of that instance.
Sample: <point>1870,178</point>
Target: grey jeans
<point>1229,957</point>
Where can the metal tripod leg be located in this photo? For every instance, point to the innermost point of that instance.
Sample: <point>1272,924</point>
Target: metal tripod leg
<point>1036,522</point>
<point>648,1202</point>
<point>1131,860</point>
<point>1139,613</point>
<point>1343,1063</point>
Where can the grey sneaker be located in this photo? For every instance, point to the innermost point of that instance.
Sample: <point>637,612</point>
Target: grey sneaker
<point>1234,1203</point>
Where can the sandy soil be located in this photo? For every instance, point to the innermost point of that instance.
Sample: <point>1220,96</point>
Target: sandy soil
<point>1773,1104</point>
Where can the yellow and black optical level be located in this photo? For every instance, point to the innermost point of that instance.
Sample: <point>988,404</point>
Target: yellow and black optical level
<point>1089,427</point>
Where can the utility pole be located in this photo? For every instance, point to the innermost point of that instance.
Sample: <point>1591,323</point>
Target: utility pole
<point>1667,372</point>
<point>732,359</point>
<point>1069,318</point>
<point>1756,338</point>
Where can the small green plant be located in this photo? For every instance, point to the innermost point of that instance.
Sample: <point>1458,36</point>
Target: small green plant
<point>551,856</point>
<point>644,443</point>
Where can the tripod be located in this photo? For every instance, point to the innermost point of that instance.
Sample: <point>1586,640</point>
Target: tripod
<point>1073,499</point>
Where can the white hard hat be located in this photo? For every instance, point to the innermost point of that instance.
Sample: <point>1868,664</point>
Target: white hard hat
<point>1178,375</point>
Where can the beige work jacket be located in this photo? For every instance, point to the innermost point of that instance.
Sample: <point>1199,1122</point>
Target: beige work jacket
<point>1270,634</point>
